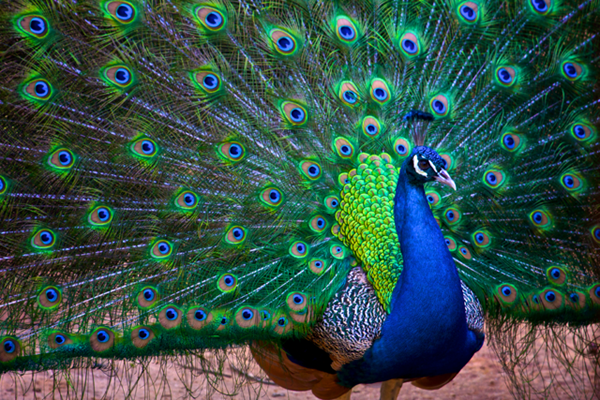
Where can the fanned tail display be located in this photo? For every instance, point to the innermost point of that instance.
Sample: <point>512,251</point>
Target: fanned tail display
<point>179,177</point>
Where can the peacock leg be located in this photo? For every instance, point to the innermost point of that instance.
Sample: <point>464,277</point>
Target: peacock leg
<point>390,389</point>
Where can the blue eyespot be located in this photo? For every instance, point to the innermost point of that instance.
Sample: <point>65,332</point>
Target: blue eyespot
<point>569,181</point>
<point>297,114</point>
<point>409,46</point>
<point>124,12</point>
<point>345,150</point>
<point>189,199</point>
<point>479,238</point>
<point>298,299</point>
<point>37,25</point>
<point>274,195</point>
<point>334,203</point>
<point>265,315</point>
<point>64,157</point>
<point>574,297</point>
<point>463,251</point>
<point>238,233</point>
<point>282,321</point>
<point>143,334</point>
<point>320,222</point>
<point>346,32</point>
<point>301,248</point>
<point>229,280</point>
<point>555,272</point>
<point>46,237</point>
<point>164,248</point>
<point>579,131</point>
<point>430,199</point>
<point>539,5</point>
<point>401,149</point>
<point>147,147</point>
<point>210,81</point>
<point>448,242</point>
<point>247,314</point>
<point>51,295</point>
<point>537,217</point>
<point>318,264</point>
<point>102,336</point>
<point>149,294</point>
<point>536,299</point>
<point>59,339</point>
<point>509,141</point>
<point>9,346</point>
<point>438,106</point>
<point>235,150</point>
<point>468,13</point>
<point>103,214</point>
<point>313,171</point>
<point>213,19</point>
<point>597,291</point>
<point>380,94</point>
<point>41,89</point>
<point>200,315</point>
<point>372,129</point>
<point>491,178</point>
<point>350,96</point>
<point>570,70</point>
<point>122,76</point>
<point>450,215</point>
<point>285,44</point>
<point>171,314</point>
<point>550,296</point>
<point>506,291</point>
<point>224,321</point>
<point>504,76</point>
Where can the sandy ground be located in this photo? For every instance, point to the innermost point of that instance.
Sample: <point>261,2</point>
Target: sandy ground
<point>482,378</point>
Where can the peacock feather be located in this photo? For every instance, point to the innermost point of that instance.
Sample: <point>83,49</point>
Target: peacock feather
<point>181,177</point>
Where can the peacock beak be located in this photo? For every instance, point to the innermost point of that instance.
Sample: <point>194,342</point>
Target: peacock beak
<point>445,179</point>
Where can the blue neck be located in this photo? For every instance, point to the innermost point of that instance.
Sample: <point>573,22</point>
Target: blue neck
<point>426,333</point>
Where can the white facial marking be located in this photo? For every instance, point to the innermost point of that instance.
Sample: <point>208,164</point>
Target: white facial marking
<point>433,166</point>
<point>416,165</point>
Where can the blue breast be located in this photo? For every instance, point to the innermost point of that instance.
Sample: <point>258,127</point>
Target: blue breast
<point>426,332</point>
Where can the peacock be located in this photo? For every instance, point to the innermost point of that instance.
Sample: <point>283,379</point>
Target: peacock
<point>344,190</point>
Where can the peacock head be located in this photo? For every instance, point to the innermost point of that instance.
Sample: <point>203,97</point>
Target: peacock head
<point>425,165</point>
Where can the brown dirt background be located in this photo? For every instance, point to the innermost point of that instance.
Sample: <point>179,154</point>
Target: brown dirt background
<point>482,379</point>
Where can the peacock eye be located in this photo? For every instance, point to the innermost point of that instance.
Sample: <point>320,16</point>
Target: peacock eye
<point>294,113</point>
<point>285,44</point>
<point>346,32</point>
<point>409,44</point>
<point>572,70</point>
<point>100,216</point>
<point>211,18</point>
<point>343,147</point>
<point>35,25</point>
<point>121,11</point>
<point>38,89</point>
<point>298,249</point>
<point>506,75</point>
<point>235,235</point>
<point>424,165</point>
<point>468,11</point>
<point>207,81</point>
<point>311,170</point>
<point>540,6</point>
<point>371,127</point>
